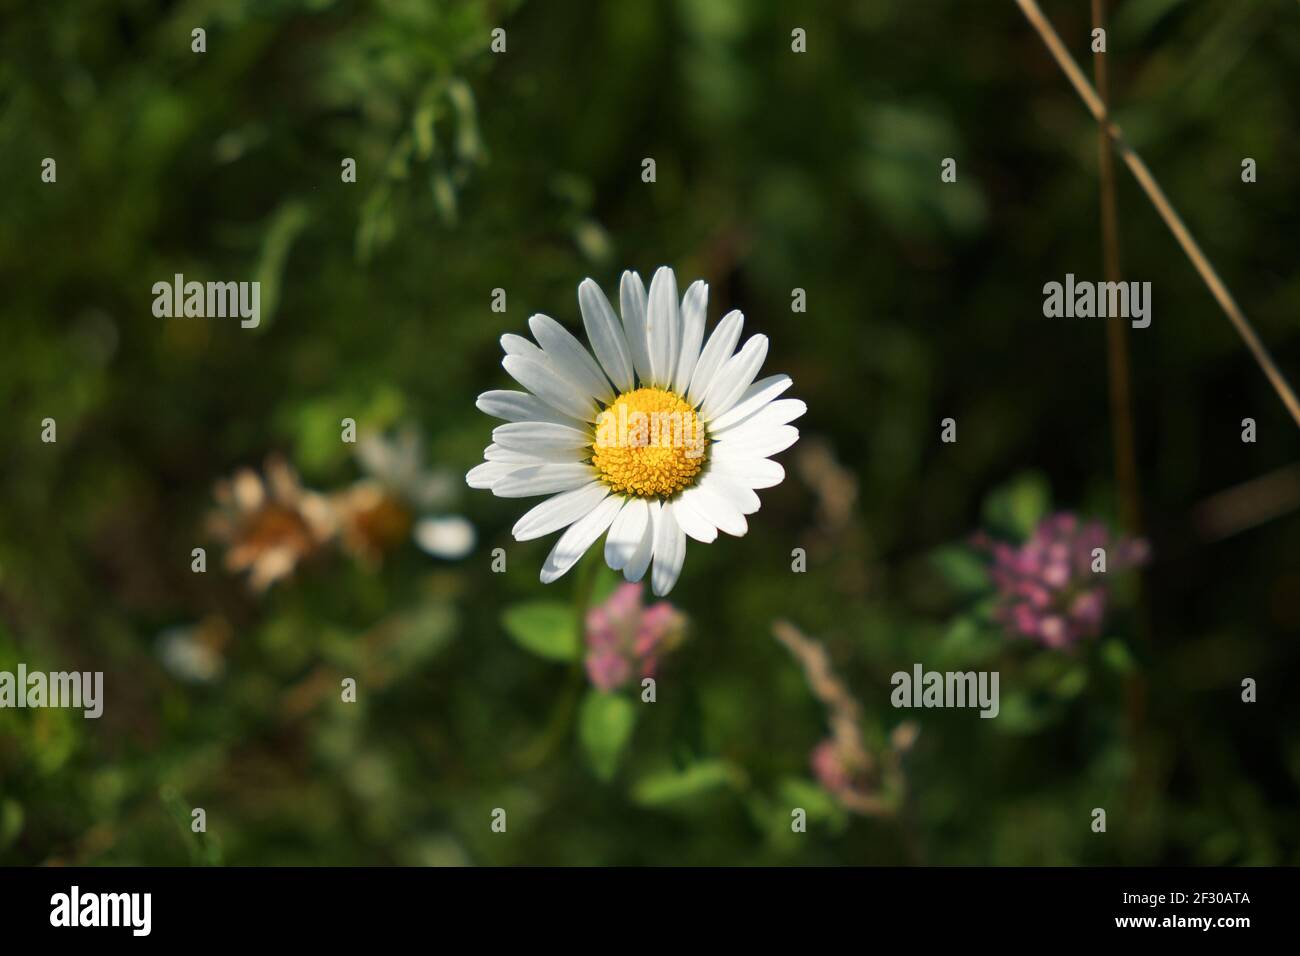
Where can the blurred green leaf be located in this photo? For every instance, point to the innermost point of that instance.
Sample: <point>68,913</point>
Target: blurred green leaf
<point>422,129</point>
<point>673,785</point>
<point>605,725</point>
<point>964,570</point>
<point>1117,656</point>
<point>289,220</point>
<point>1020,714</point>
<point>1072,682</point>
<point>967,642</point>
<point>1017,507</point>
<point>812,798</point>
<point>11,822</point>
<point>546,628</point>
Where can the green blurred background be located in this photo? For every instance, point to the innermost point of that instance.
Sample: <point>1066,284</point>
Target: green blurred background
<point>522,171</point>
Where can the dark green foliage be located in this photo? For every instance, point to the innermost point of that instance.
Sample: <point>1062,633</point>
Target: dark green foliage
<point>775,171</point>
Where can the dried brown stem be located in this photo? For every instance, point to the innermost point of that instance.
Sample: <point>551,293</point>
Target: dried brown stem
<point>843,711</point>
<point>1120,378</point>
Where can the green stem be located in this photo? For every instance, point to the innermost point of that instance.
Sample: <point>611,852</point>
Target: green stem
<point>586,584</point>
<point>561,720</point>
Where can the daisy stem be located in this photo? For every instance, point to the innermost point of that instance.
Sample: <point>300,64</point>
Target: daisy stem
<point>590,564</point>
<point>561,719</point>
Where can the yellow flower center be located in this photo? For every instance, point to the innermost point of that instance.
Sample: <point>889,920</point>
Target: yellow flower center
<point>649,443</point>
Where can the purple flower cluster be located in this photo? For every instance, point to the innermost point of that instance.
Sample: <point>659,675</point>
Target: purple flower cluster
<point>625,639</point>
<point>1047,588</point>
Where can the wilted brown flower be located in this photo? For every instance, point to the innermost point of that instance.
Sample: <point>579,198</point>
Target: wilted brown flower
<point>371,520</point>
<point>378,512</point>
<point>270,524</point>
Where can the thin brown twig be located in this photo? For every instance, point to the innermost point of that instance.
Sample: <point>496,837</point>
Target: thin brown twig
<point>1250,504</point>
<point>1121,404</point>
<point>1149,185</point>
<point>1120,378</point>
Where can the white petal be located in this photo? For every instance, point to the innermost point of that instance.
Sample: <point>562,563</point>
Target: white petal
<point>764,420</point>
<point>670,551</point>
<point>750,472</point>
<point>521,407</point>
<point>691,519</point>
<point>581,535</point>
<point>713,502</point>
<point>756,397</point>
<point>451,537</point>
<point>569,357</point>
<point>663,326</point>
<point>632,300</point>
<point>495,452</point>
<point>518,345</point>
<point>606,335</point>
<point>782,412</point>
<point>540,378</point>
<point>547,455</point>
<point>636,566</point>
<point>736,493</point>
<point>695,305</point>
<point>716,351</point>
<point>559,511</point>
<point>771,440</point>
<point>488,473</point>
<point>626,533</point>
<point>546,441</point>
<point>528,480</point>
<point>734,377</point>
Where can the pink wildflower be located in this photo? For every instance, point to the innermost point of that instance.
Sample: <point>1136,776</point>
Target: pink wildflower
<point>625,639</point>
<point>1047,588</point>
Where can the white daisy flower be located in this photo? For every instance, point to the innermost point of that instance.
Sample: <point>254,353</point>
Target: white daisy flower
<point>661,437</point>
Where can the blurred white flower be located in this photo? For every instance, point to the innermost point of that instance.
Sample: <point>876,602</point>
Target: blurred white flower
<point>451,538</point>
<point>194,653</point>
<point>397,463</point>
